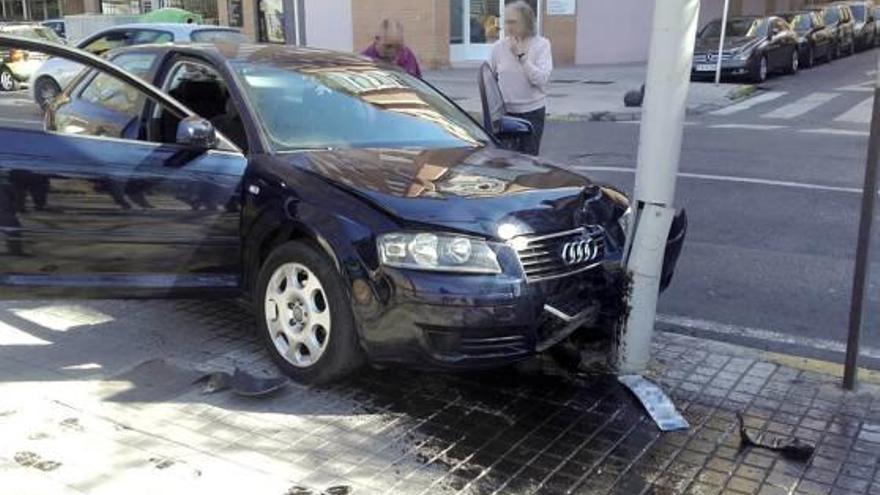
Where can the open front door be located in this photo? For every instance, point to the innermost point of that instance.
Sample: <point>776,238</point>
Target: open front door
<point>493,103</point>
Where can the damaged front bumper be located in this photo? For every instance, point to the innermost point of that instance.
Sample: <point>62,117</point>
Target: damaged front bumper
<point>446,321</point>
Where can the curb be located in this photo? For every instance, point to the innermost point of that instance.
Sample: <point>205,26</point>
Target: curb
<point>819,366</point>
<point>739,94</point>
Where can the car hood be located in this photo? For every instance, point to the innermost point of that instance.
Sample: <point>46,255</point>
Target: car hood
<point>475,190</point>
<point>735,43</point>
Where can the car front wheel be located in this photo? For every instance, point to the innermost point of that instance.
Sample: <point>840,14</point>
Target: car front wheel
<point>760,70</point>
<point>305,316</point>
<point>810,59</point>
<point>45,92</point>
<point>7,80</point>
<point>794,63</point>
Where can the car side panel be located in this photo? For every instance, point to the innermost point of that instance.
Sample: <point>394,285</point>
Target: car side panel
<point>84,214</point>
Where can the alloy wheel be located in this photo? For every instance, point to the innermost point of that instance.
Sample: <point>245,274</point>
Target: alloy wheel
<point>7,81</point>
<point>763,69</point>
<point>46,92</point>
<point>297,314</point>
<point>795,61</point>
<point>811,57</point>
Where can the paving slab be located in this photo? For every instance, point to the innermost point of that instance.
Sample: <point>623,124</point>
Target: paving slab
<point>75,418</point>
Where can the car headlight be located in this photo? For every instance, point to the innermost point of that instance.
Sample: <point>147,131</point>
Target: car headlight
<point>437,252</point>
<point>743,55</point>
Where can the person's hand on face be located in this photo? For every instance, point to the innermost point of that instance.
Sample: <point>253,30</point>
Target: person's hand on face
<point>513,30</point>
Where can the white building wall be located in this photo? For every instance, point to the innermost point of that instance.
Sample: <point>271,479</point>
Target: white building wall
<point>619,31</point>
<point>329,24</point>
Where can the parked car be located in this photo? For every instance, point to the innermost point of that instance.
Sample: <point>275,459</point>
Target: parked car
<point>16,66</point>
<point>815,39</point>
<point>876,26</point>
<point>58,26</point>
<point>754,47</point>
<point>864,27</point>
<point>47,82</point>
<point>838,18</point>
<point>362,211</point>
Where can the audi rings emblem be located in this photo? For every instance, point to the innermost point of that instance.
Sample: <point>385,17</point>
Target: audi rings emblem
<point>579,251</point>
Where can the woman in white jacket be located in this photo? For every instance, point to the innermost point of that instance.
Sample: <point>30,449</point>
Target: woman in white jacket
<point>523,61</point>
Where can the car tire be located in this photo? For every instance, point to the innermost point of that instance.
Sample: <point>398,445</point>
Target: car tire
<point>837,53</point>
<point>7,80</point>
<point>305,317</point>
<point>761,70</point>
<point>810,59</point>
<point>794,63</point>
<point>45,91</point>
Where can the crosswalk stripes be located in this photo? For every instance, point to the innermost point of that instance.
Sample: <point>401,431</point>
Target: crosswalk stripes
<point>801,106</point>
<point>751,102</point>
<point>859,114</point>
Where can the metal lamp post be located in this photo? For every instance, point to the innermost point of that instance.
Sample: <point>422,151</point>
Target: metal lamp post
<point>666,91</point>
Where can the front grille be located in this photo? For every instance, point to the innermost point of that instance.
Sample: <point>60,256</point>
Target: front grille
<point>487,346</point>
<point>542,256</point>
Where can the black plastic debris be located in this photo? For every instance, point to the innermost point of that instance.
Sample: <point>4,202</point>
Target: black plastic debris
<point>635,97</point>
<point>242,383</point>
<point>790,447</point>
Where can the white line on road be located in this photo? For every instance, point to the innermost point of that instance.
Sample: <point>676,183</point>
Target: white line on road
<point>800,107</point>
<point>835,132</point>
<point>712,327</point>
<point>754,127</point>
<point>741,180</point>
<point>751,102</point>
<point>860,113</point>
<point>865,87</point>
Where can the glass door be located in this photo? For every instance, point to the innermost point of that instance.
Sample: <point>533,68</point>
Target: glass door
<point>477,24</point>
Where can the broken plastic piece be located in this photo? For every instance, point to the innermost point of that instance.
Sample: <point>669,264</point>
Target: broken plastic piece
<point>242,383</point>
<point>658,405</point>
<point>790,447</point>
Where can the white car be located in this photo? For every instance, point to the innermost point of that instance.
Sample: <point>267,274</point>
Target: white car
<point>46,82</point>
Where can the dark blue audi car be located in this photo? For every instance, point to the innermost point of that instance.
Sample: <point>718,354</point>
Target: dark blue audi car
<point>364,214</point>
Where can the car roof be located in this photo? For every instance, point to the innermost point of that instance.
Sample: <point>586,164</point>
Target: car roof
<point>175,27</point>
<point>280,56</point>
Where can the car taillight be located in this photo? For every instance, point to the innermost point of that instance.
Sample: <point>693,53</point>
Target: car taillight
<point>18,55</point>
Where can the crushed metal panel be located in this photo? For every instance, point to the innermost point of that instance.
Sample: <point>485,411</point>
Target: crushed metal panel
<point>657,403</point>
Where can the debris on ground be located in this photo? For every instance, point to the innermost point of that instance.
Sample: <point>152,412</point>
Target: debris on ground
<point>790,447</point>
<point>242,383</point>
<point>656,402</point>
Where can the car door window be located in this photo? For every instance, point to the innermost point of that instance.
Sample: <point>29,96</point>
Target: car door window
<point>108,41</point>
<point>112,108</point>
<point>202,89</point>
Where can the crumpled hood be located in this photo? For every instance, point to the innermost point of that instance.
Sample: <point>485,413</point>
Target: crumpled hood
<point>475,190</point>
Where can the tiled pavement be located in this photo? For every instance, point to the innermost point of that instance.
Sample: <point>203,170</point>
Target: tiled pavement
<point>97,397</point>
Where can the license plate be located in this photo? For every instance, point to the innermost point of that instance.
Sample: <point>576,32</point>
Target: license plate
<point>706,67</point>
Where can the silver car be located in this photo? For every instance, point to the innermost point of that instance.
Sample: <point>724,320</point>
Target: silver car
<point>47,81</point>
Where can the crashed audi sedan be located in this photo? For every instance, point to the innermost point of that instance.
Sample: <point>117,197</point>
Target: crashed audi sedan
<point>364,214</point>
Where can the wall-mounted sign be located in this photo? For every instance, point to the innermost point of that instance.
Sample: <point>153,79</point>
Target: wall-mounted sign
<point>235,15</point>
<point>561,7</point>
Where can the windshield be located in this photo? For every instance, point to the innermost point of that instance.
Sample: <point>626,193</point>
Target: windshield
<point>832,16</point>
<point>736,28</point>
<point>339,107</point>
<point>800,22</point>
<point>859,12</point>
<point>214,35</point>
<point>36,33</point>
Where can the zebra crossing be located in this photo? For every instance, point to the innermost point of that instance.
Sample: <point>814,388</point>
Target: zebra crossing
<point>842,111</point>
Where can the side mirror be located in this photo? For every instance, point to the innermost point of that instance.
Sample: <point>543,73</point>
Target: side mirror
<point>514,127</point>
<point>196,132</point>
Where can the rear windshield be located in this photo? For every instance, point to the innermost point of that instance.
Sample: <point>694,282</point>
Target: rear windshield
<point>39,33</point>
<point>213,35</point>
